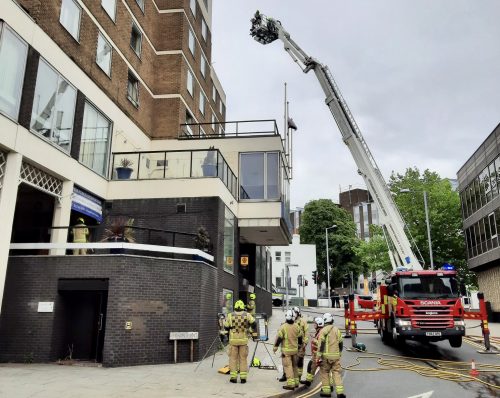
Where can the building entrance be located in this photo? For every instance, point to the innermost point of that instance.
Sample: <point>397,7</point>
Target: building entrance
<point>82,318</point>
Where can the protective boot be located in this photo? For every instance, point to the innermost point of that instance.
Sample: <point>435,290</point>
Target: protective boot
<point>341,396</point>
<point>326,394</point>
<point>282,378</point>
<point>233,380</point>
<point>243,381</point>
<point>306,382</point>
<point>287,387</point>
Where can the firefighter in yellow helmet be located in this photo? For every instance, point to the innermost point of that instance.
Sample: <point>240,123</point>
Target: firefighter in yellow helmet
<point>80,234</point>
<point>229,303</point>
<point>290,338</point>
<point>237,324</point>
<point>329,352</point>
<point>251,304</point>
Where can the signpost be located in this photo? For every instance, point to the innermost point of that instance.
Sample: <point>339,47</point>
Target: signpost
<point>183,336</point>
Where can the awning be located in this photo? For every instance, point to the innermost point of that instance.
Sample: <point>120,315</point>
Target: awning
<point>87,204</point>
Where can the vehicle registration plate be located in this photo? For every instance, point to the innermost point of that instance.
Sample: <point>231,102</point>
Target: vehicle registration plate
<point>433,333</point>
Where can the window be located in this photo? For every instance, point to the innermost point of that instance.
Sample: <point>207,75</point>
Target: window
<point>192,6</point>
<point>140,3</point>
<point>214,93</point>
<point>221,105</point>
<point>190,83</point>
<point>191,41</point>
<point>214,125</point>
<point>104,53</point>
<point>493,180</point>
<point>53,106</point>
<point>204,29</point>
<point>288,257</point>
<point>136,39</point>
<point>202,103</point>
<point>203,67</point>
<point>94,146</point>
<point>110,7</point>
<point>189,120</point>
<point>228,240</point>
<point>278,281</point>
<point>70,17</point>
<point>13,53</point>
<point>133,89</point>
<point>260,177</point>
<point>277,256</point>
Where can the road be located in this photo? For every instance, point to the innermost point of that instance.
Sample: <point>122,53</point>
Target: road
<point>363,380</point>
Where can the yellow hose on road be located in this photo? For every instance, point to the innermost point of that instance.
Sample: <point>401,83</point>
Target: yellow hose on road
<point>398,362</point>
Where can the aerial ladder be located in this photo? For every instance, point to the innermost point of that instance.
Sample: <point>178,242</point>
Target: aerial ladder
<point>395,318</point>
<point>267,30</point>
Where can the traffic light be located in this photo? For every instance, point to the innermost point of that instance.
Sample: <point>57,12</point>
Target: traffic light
<point>315,277</point>
<point>306,283</point>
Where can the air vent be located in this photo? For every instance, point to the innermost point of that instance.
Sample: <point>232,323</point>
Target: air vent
<point>181,207</point>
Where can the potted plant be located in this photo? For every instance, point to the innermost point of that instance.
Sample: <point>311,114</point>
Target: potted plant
<point>202,240</point>
<point>119,230</point>
<point>124,171</point>
<point>209,165</point>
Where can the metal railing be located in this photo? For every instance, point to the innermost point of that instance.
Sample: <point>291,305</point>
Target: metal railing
<point>241,128</point>
<point>156,165</point>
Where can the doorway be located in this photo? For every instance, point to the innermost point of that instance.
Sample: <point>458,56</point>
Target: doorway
<point>83,318</point>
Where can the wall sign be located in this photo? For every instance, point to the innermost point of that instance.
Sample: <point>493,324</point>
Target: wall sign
<point>45,306</point>
<point>183,335</point>
<point>87,204</point>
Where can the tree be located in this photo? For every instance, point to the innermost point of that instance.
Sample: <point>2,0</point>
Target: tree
<point>317,216</point>
<point>373,254</point>
<point>448,243</point>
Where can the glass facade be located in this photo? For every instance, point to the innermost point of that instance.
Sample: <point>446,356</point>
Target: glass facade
<point>103,55</point>
<point>263,268</point>
<point>13,53</point>
<point>260,176</point>
<point>94,146</point>
<point>229,231</point>
<point>53,106</point>
<point>482,236</point>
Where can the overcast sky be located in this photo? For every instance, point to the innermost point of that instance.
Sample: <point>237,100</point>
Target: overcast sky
<point>422,79</point>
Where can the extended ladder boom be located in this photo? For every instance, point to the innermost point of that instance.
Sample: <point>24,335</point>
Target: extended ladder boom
<point>266,30</point>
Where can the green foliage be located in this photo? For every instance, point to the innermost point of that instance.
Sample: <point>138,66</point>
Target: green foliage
<point>342,241</point>
<point>448,243</point>
<point>373,254</point>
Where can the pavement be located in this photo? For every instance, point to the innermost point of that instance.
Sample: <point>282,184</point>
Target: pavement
<point>152,381</point>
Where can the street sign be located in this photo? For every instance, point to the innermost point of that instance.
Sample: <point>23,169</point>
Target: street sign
<point>291,290</point>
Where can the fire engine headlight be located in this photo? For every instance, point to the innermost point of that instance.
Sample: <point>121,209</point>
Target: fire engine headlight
<point>403,322</point>
<point>459,322</point>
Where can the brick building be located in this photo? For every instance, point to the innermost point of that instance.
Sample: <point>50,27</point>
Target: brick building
<point>111,111</point>
<point>478,184</point>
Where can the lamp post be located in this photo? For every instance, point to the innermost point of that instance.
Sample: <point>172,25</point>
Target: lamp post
<point>287,276</point>
<point>328,264</point>
<point>406,190</point>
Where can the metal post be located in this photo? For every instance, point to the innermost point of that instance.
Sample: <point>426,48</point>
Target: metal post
<point>286,285</point>
<point>428,229</point>
<point>327,269</point>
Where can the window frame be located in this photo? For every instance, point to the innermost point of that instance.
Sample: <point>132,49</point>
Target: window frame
<point>113,18</point>
<point>214,93</point>
<point>265,197</point>
<point>79,19</point>
<point>202,100</point>
<point>188,76</point>
<point>100,34</point>
<point>203,66</point>
<point>135,28</point>
<point>4,26</point>
<point>140,3</point>
<point>204,30</point>
<point>192,39</point>
<point>192,7</point>
<point>132,100</point>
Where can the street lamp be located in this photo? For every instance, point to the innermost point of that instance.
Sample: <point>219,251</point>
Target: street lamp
<point>406,190</point>
<point>287,278</point>
<point>328,263</point>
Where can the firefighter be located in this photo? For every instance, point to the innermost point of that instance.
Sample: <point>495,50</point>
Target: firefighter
<point>330,349</point>
<point>290,338</point>
<point>251,304</point>
<point>313,365</point>
<point>80,234</point>
<point>302,349</point>
<point>237,324</point>
<point>229,303</point>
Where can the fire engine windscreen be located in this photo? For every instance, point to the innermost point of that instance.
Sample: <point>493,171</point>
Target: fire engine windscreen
<point>429,286</point>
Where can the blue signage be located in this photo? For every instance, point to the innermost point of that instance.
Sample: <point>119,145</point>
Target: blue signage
<point>87,204</point>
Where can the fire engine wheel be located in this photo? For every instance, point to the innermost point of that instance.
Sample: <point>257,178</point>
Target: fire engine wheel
<point>456,342</point>
<point>384,334</point>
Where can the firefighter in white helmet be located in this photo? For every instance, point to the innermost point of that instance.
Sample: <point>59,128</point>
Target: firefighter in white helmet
<point>302,349</point>
<point>330,349</point>
<point>313,365</point>
<point>290,338</point>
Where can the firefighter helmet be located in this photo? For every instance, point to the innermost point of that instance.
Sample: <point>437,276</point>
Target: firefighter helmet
<point>296,311</point>
<point>289,316</point>
<point>319,321</point>
<point>229,296</point>
<point>80,220</point>
<point>239,306</point>
<point>328,318</point>
<point>252,296</point>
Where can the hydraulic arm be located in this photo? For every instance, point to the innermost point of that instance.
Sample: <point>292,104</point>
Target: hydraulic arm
<point>267,30</point>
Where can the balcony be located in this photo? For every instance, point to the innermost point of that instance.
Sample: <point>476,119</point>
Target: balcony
<point>166,165</point>
<point>240,129</point>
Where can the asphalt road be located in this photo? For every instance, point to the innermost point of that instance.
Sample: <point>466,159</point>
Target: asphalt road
<point>395,383</point>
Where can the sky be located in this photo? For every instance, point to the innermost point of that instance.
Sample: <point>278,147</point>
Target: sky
<point>422,79</point>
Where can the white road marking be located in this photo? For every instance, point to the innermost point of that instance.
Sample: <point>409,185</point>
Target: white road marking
<point>423,395</point>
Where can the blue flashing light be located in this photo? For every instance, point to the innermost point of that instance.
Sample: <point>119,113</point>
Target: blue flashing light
<point>448,267</point>
<point>407,259</point>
